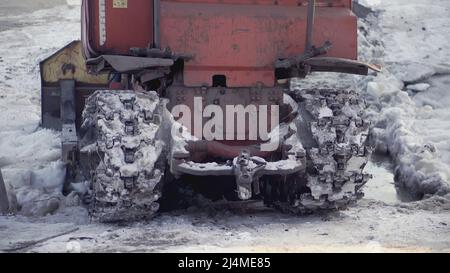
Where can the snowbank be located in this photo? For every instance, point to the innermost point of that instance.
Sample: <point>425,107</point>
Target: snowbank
<point>413,127</point>
<point>29,155</point>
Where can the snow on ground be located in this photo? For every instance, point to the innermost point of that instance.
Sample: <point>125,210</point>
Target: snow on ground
<point>411,125</point>
<point>369,227</point>
<point>411,98</point>
<point>28,154</point>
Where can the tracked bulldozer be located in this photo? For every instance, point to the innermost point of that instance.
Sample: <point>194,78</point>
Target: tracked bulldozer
<point>165,90</point>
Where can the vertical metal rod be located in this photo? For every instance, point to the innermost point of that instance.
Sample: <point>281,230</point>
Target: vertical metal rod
<point>67,102</point>
<point>156,23</point>
<point>4,203</point>
<point>310,24</point>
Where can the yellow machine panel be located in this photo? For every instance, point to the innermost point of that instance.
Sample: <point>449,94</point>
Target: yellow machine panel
<point>69,64</point>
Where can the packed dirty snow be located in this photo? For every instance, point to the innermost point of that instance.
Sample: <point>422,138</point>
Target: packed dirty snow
<point>411,98</point>
<point>29,155</point>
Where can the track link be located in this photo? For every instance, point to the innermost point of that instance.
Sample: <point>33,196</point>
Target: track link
<point>127,182</point>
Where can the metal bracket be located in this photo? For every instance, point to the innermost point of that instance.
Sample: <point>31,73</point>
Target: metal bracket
<point>124,64</point>
<point>69,138</point>
<point>300,59</point>
<point>330,64</point>
<point>309,61</point>
<point>246,170</point>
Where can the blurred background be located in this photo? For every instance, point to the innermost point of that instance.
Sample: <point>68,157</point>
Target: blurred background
<point>14,7</point>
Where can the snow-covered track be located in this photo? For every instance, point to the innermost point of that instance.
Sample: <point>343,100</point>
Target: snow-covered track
<point>337,155</point>
<point>126,184</point>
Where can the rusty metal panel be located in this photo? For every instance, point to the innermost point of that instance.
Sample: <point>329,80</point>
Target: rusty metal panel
<point>239,39</point>
<point>223,98</point>
<point>243,41</point>
<point>115,26</point>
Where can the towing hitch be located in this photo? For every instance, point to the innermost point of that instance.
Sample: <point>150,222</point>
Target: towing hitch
<point>247,171</point>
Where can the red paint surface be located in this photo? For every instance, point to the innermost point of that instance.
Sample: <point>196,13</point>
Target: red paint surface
<point>319,3</point>
<point>243,41</point>
<point>125,28</point>
<point>240,39</point>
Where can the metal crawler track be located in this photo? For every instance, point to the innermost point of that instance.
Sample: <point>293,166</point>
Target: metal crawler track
<point>126,184</point>
<point>336,161</point>
<point>127,181</point>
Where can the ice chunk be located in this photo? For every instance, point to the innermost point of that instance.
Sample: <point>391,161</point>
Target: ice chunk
<point>419,87</point>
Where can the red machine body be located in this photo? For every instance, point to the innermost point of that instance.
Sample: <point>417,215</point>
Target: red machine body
<point>116,26</point>
<point>238,39</point>
<point>174,89</point>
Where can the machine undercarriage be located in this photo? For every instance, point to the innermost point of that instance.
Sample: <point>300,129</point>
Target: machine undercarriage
<point>123,131</point>
<point>129,150</point>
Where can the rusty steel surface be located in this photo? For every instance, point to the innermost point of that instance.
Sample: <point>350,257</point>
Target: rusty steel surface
<point>224,97</point>
<point>242,41</point>
<point>201,150</point>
